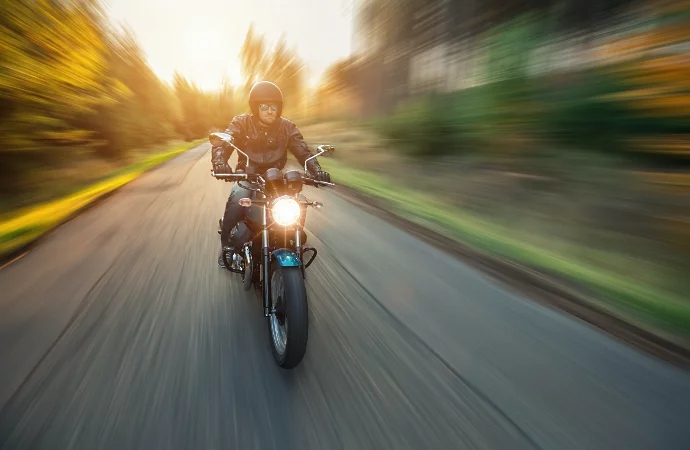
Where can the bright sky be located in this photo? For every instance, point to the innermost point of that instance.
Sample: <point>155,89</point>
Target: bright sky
<point>201,39</point>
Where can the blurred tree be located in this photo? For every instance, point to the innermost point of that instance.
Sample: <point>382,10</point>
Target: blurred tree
<point>53,73</point>
<point>145,115</point>
<point>224,109</point>
<point>284,68</point>
<point>387,23</point>
<point>339,92</point>
<point>252,58</point>
<point>396,29</point>
<point>196,106</point>
<point>280,65</point>
<point>655,67</point>
<point>341,76</point>
<point>71,84</point>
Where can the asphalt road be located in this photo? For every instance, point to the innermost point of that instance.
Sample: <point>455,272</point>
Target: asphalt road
<point>120,332</point>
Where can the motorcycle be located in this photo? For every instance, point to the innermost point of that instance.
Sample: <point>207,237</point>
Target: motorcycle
<point>272,241</point>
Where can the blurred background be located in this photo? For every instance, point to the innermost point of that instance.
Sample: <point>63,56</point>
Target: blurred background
<point>550,133</point>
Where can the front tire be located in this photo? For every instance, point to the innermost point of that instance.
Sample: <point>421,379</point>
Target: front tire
<point>288,329</point>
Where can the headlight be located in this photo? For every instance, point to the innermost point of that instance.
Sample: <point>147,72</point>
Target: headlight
<point>286,211</point>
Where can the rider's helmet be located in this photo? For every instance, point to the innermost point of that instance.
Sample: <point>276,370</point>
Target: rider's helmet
<point>265,92</point>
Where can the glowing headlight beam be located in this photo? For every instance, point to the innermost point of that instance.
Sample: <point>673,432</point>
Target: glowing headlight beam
<point>286,211</point>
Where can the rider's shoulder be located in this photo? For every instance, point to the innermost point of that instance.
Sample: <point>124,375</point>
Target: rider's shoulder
<point>287,124</point>
<point>242,118</point>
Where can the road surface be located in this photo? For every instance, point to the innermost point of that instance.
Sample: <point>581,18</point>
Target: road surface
<point>119,331</point>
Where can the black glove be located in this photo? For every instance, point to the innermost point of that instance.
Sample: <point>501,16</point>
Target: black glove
<point>222,168</point>
<point>315,172</point>
<point>322,176</point>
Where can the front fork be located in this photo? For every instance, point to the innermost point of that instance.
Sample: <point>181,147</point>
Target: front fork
<point>298,247</point>
<point>266,264</point>
<point>266,256</point>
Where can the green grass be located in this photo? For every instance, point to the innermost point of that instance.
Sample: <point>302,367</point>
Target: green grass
<point>27,224</point>
<point>628,298</point>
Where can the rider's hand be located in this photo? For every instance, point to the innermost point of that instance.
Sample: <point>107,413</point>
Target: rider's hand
<point>322,176</point>
<point>222,168</point>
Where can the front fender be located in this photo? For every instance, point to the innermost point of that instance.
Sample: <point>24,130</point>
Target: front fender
<point>286,258</point>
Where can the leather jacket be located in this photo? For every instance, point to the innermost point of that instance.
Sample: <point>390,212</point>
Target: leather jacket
<point>267,148</point>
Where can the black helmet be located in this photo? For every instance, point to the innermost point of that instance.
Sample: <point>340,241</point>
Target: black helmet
<point>265,92</point>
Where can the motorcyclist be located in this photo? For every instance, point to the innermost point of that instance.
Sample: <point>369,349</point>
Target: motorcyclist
<point>266,137</point>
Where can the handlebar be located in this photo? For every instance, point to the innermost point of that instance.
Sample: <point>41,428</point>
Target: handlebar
<point>230,176</point>
<point>317,182</point>
<point>244,176</point>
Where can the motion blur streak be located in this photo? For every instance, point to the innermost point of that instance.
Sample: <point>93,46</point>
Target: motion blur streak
<point>561,127</point>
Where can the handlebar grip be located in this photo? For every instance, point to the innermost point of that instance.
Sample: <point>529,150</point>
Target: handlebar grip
<point>313,182</point>
<point>229,176</point>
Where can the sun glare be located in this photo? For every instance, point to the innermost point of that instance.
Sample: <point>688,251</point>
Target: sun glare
<point>187,40</point>
<point>200,45</point>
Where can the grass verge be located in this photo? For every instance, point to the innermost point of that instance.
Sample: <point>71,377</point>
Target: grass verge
<point>21,227</point>
<point>648,307</point>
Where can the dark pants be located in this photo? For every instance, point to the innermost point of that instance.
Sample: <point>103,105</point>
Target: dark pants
<point>233,211</point>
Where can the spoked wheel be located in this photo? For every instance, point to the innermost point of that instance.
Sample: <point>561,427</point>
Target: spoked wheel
<point>288,327</point>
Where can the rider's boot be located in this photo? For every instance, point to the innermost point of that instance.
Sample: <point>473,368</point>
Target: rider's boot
<point>223,249</point>
<point>235,258</point>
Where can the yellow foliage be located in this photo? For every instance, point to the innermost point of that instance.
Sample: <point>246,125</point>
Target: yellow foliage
<point>679,81</point>
<point>70,82</point>
<point>56,54</point>
<point>657,71</point>
<point>663,106</point>
<point>679,62</point>
<point>53,68</point>
<point>27,224</point>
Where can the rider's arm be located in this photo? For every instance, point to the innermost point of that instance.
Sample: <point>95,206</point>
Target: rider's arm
<point>299,148</point>
<point>221,154</point>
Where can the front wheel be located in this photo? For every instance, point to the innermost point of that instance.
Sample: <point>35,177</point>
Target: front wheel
<point>288,328</point>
